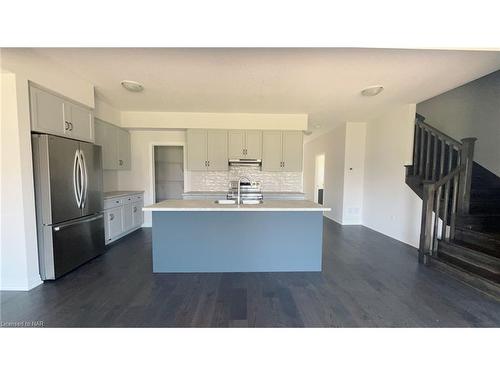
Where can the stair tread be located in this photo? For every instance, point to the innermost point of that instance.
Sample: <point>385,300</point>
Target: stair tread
<point>475,281</point>
<point>466,254</point>
<point>489,235</point>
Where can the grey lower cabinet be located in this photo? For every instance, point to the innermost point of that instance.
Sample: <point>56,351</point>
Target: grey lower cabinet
<point>53,114</point>
<point>115,143</point>
<point>122,215</point>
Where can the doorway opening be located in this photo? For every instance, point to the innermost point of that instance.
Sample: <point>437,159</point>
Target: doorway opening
<point>319,178</point>
<point>168,172</point>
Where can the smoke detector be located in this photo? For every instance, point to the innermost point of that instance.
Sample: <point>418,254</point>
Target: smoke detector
<point>132,86</point>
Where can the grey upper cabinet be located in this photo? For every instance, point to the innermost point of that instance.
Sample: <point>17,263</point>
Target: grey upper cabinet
<point>217,150</point>
<point>292,143</point>
<point>236,141</point>
<point>282,151</point>
<point>272,155</point>
<point>253,144</point>
<point>245,144</point>
<point>53,114</point>
<point>123,149</point>
<point>47,112</point>
<point>115,144</point>
<point>207,150</point>
<point>196,150</point>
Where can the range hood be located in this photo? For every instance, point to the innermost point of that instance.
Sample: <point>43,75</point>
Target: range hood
<point>245,162</point>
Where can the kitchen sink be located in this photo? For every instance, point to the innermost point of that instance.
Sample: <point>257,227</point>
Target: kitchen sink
<point>225,201</point>
<point>243,201</point>
<point>252,201</point>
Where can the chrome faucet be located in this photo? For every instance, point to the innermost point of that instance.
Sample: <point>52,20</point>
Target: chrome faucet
<point>239,188</point>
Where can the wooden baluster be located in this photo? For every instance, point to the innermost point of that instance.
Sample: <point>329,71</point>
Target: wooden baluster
<point>436,220</point>
<point>441,161</point>
<point>434,158</point>
<point>416,142</point>
<point>428,156</point>
<point>450,158</point>
<point>421,154</point>
<point>454,206</point>
<point>426,223</point>
<point>444,235</point>
<point>466,164</point>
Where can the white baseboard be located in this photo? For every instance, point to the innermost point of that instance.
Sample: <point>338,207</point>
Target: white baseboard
<point>21,287</point>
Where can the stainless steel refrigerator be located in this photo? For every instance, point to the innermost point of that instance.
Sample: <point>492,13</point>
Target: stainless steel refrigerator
<point>69,203</point>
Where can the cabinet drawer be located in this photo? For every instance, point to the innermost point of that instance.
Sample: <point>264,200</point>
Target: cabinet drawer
<point>137,198</point>
<point>113,202</point>
<point>128,199</point>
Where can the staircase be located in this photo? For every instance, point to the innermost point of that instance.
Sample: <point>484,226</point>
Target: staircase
<point>460,228</point>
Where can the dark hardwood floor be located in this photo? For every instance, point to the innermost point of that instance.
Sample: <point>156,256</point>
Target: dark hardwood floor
<point>368,280</point>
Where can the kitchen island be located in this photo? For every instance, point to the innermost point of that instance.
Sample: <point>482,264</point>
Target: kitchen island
<point>204,236</point>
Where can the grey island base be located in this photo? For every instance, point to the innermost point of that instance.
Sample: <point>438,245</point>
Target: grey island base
<point>202,236</point>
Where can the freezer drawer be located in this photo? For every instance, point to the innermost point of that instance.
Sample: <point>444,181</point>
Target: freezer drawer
<point>68,245</point>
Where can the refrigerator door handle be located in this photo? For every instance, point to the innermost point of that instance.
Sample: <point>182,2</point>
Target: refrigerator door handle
<point>76,173</point>
<point>81,178</point>
<point>79,221</point>
<point>85,179</point>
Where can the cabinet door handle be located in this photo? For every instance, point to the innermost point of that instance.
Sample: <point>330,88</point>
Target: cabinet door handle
<point>70,126</point>
<point>120,162</point>
<point>111,217</point>
<point>66,125</point>
<point>135,209</point>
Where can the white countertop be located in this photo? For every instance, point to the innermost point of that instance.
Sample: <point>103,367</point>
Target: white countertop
<point>225,192</point>
<point>121,193</point>
<point>210,205</point>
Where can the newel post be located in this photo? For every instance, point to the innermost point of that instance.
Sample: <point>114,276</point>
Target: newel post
<point>425,244</point>
<point>466,164</point>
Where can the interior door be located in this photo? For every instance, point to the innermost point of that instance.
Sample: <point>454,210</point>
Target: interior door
<point>62,154</point>
<point>253,144</point>
<point>236,140</point>
<point>217,150</point>
<point>197,150</point>
<point>93,199</point>
<point>292,151</point>
<point>271,151</point>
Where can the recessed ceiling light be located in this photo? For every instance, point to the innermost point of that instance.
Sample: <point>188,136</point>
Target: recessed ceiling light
<point>132,86</point>
<point>372,90</point>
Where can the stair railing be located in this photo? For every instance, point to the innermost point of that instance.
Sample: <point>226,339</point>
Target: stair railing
<point>444,165</point>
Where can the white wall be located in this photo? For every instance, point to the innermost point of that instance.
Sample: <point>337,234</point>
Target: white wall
<point>184,120</point>
<point>106,112</point>
<point>389,205</point>
<point>354,165</point>
<point>27,63</point>
<point>140,177</point>
<point>19,256</point>
<point>471,110</point>
<point>332,144</point>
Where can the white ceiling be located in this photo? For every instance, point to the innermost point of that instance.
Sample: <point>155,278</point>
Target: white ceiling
<point>324,83</point>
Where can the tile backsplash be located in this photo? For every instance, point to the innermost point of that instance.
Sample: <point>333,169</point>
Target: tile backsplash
<point>219,181</point>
